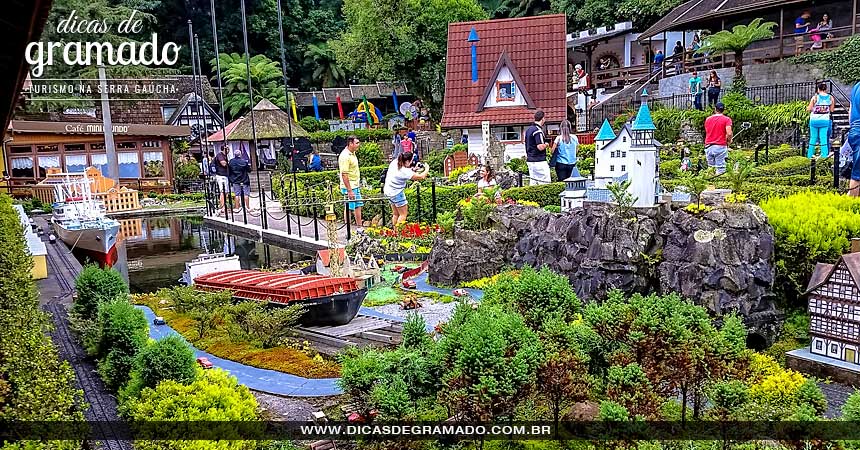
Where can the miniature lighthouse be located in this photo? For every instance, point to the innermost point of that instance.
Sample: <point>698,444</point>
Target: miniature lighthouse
<point>574,193</point>
<point>642,157</point>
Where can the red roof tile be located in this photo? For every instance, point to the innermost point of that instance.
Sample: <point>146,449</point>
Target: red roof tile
<point>537,48</point>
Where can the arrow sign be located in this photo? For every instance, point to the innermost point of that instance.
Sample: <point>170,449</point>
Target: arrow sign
<point>473,38</point>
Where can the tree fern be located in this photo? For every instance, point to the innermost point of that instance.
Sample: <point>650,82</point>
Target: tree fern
<point>736,41</point>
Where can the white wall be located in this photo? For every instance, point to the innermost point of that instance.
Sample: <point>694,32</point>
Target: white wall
<point>504,76</point>
<point>642,167</point>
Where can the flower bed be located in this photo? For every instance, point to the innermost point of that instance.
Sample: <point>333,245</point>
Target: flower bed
<point>295,359</point>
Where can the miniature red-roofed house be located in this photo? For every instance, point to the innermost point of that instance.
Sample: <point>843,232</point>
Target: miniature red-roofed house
<point>498,73</point>
<point>834,308</point>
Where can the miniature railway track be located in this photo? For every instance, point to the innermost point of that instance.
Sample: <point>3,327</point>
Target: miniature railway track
<point>362,331</point>
<point>101,412</point>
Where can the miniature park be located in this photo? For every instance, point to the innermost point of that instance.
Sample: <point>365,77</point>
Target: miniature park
<point>638,271</point>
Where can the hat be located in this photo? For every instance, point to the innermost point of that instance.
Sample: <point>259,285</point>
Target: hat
<point>578,66</point>
<point>237,153</point>
<point>720,106</point>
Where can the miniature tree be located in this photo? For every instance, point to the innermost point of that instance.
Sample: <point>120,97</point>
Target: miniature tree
<point>696,185</point>
<point>622,198</point>
<point>738,171</point>
<point>94,286</point>
<point>206,309</point>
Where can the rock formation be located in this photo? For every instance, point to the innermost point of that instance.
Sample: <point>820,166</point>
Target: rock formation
<point>722,260</point>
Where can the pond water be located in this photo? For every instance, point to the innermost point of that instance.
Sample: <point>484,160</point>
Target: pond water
<point>152,252</point>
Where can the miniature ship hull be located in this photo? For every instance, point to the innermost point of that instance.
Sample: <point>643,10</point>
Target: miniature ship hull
<point>99,240</point>
<point>326,300</point>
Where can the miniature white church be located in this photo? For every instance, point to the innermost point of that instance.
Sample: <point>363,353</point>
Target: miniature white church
<point>632,155</point>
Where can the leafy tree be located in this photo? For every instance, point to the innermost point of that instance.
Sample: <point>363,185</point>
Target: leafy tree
<point>272,326</point>
<point>240,319</point>
<point>206,309</point>
<point>266,80</point>
<point>851,408</point>
<point>622,198</point>
<point>170,358</point>
<point>322,66</point>
<point>736,41</point>
<point>563,379</point>
<point>629,387</point>
<point>123,333</point>
<point>695,184</point>
<point>536,294</point>
<point>415,335</point>
<point>95,286</point>
<point>501,9</point>
<point>738,171</point>
<point>612,412</point>
<point>490,361</point>
<point>213,396</point>
<point>369,154</point>
<point>381,41</point>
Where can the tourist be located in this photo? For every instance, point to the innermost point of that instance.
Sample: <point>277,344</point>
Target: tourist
<point>826,24</point>
<point>222,171</point>
<point>464,139</point>
<point>399,173</point>
<point>407,145</point>
<point>240,179</point>
<point>678,56</point>
<point>658,60</point>
<point>536,151</point>
<point>715,85</point>
<point>411,135</point>
<point>801,27</point>
<point>696,90</point>
<point>820,107</point>
<point>718,136</point>
<point>566,144</point>
<point>316,162</point>
<point>854,140</point>
<point>397,140</point>
<point>487,178</point>
<point>697,43</point>
<point>350,178</point>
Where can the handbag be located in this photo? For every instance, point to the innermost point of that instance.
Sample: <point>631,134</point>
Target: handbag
<point>553,159</point>
<point>846,160</point>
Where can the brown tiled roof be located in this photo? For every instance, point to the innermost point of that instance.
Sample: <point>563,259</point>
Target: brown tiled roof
<point>823,271</point>
<point>690,15</point>
<point>533,45</point>
<point>307,98</point>
<point>330,95</point>
<point>385,88</point>
<point>369,90</point>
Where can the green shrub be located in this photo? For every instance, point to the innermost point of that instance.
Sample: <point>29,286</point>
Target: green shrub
<point>95,286</point>
<point>552,208</point>
<point>842,63</point>
<point>311,124</point>
<point>170,358</point>
<point>185,169</point>
<point>455,174</point>
<point>584,151</point>
<point>518,165</point>
<point>369,154</point>
<point>123,332</point>
<point>364,134</point>
<point>543,195</point>
<point>36,384</point>
<point>538,295</point>
<point>809,228</point>
<point>851,408</point>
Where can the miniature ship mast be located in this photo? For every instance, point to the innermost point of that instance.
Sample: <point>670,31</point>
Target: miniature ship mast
<point>335,263</point>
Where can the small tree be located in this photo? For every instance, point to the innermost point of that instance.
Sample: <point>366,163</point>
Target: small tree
<point>415,335</point>
<point>622,198</point>
<point>738,171</point>
<point>170,358</point>
<point>240,316</point>
<point>736,41</point>
<point>94,286</point>
<point>695,184</point>
<point>272,326</point>
<point>851,408</point>
<point>123,333</point>
<point>207,308</point>
<point>563,379</point>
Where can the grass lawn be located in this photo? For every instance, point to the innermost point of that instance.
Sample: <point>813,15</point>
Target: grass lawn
<point>218,342</point>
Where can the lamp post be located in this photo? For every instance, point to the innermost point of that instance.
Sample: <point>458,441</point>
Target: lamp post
<point>253,122</point>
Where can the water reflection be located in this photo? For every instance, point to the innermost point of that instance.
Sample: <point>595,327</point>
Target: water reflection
<point>152,252</point>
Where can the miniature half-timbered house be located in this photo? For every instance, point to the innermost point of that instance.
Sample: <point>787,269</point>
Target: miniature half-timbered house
<point>834,308</point>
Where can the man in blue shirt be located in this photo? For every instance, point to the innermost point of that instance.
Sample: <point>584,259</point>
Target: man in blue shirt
<point>536,152</point>
<point>240,179</point>
<point>316,162</point>
<point>801,27</point>
<point>696,90</point>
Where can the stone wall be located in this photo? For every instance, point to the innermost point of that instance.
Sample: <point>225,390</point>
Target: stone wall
<point>722,260</point>
<point>780,72</point>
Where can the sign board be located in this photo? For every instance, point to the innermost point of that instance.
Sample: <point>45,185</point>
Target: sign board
<point>485,137</point>
<point>345,125</point>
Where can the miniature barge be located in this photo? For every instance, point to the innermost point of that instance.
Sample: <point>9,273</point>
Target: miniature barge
<point>327,300</point>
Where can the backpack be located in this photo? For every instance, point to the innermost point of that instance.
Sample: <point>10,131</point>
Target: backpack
<point>846,160</point>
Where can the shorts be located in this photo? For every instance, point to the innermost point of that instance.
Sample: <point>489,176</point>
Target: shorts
<point>222,183</point>
<point>242,189</point>
<point>399,200</point>
<point>716,155</point>
<point>356,204</point>
<point>539,173</point>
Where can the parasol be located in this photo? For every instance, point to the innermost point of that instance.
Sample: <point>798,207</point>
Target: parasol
<point>293,106</point>
<point>339,107</point>
<point>406,110</point>
<point>394,97</point>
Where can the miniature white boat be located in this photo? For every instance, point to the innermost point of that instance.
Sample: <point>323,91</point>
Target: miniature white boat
<point>79,220</point>
<point>208,263</point>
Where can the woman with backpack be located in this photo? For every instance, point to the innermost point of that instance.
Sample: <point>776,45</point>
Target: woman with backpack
<point>564,152</point>
<point>820,107</point>
<point>853,139</point>
<point>399,173</point>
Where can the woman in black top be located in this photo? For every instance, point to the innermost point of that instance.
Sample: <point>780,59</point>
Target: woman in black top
<point>715,85</point>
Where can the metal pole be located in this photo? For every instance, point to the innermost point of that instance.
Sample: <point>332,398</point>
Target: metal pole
<point>201,111</point>
<point>418,200</point>
<point>316,220</point>
<point>253,122</point>
<point>218,68</point>
<point>433,197</point>
<point>286,91</point>
<point>107,124</point>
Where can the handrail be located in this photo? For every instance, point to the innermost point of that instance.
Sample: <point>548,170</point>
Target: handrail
<point>834,86</point>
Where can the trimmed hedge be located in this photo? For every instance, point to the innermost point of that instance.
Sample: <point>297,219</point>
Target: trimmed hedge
<point>543,195</point>
<point>362,135</point>
<point>36,385</point>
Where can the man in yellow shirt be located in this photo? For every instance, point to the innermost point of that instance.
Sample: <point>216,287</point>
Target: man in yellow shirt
<point>350,177</point>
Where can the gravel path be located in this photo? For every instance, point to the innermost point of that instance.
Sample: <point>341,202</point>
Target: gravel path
<point>276,407</point>
<point>432,311</point>
<point>836,394</point>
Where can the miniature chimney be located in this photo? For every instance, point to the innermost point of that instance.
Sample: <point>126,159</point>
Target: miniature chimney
<point>855,245</point>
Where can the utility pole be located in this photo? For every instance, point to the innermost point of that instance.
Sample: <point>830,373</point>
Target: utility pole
<point>107,124</point>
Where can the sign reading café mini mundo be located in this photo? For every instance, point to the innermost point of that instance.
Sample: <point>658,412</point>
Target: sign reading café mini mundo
<point>73,52</point>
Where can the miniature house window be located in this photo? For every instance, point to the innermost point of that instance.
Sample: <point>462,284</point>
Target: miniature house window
<point>507,133</point>
<point>623,154</point>
<point>612,168</point>
<point>818,345</point>
<point>506,91</point>
<point>624,139</point>
<point>623,168</point>
<point>833,348</point>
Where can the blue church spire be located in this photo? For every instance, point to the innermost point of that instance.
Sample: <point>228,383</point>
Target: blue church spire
<point>605,133</point>
<point>643,120</point>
